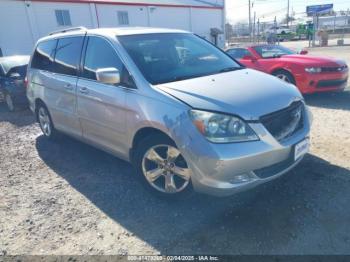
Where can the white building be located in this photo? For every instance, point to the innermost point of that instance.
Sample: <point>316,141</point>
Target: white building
<point>333,22</point>
<point>23,22</point>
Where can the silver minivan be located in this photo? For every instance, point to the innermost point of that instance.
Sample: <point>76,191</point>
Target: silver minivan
<point>181,110</point>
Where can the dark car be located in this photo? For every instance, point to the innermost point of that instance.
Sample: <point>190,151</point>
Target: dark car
<point>13,71</point>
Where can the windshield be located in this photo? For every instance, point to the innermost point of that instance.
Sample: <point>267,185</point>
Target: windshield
<point>9,63</point>
<point>273,51</point>
<point>169,57</point>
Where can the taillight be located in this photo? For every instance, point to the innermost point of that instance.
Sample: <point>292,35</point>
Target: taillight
<point>25,82</point>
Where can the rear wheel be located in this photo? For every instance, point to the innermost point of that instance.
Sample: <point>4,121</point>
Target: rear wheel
<point>161,166</point>
<point>285,76</point>
<point>9,102</point>
<point>45,122</point>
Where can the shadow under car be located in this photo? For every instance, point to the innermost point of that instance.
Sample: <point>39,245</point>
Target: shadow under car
<point>294,212</point>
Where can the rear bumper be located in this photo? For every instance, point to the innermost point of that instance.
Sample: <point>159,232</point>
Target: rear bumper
<point>323,82</point>
<point>18,96</point>
<point>20,99</point>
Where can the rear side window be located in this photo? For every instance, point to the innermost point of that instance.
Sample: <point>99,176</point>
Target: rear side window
<point>100,54</point>
<point>68,55</point>
<point>44,55</point>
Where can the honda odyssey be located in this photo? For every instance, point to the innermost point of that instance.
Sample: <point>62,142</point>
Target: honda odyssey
<point>181,110</point>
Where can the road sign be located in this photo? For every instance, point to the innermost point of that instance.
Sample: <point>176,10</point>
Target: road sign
<point>318,9</point>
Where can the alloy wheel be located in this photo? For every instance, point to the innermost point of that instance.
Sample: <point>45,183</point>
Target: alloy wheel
<point>44,121</point>
<point>165,169</point>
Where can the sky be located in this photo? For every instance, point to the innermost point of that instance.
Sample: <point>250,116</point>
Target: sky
<point>266,10</point>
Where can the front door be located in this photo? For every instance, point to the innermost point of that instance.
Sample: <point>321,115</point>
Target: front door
<point>101,107</point>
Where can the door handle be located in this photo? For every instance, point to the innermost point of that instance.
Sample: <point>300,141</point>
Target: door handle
<point>68,86</point>
<point>83,90</point>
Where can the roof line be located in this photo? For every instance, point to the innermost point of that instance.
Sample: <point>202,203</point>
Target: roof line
<point>208,3</point>
<point>111,2</point>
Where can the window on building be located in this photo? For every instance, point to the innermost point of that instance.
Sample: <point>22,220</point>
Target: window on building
<point>123,18</point>
<point>100,54</point>
<point>68,55</point>
<point>44,55</point>
<point>63,17</point>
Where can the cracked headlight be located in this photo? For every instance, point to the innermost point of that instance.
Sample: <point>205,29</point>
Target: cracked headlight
<point>221,128</point>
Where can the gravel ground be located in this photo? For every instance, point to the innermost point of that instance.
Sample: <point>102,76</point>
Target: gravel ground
<point>66,197</point>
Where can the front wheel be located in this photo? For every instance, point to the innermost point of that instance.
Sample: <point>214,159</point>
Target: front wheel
<point>161,166</point>
<point>285,76</point>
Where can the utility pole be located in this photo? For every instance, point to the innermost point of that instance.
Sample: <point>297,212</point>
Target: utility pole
<point>258,30</point>
<point>250,22</point>
<point>346,22</point>
<point>288,13</point>
<point>254,27</point>
<point>275,31</point>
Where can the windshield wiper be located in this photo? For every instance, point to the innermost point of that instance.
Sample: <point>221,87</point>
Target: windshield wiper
<point>229,69</point>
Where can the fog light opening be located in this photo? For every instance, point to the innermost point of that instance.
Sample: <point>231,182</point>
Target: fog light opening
<point>242,178</point>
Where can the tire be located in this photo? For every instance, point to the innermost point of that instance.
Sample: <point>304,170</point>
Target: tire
<point>284,76</point>
<point>157,162</point>
<point>45,122</point>
<point>9,102</point>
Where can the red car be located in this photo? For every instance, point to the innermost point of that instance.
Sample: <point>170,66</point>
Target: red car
<point>310,74</point>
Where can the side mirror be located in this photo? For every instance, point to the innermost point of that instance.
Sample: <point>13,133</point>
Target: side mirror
<point>108,75</point>
<point>249,57</point>
<point>304,52</point>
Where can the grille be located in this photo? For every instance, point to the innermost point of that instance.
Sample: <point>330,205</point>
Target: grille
<point>334,69</point>
<point>328,83</point>
<point>286,122</point>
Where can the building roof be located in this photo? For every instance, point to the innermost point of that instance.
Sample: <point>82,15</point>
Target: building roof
<point>169,3</point>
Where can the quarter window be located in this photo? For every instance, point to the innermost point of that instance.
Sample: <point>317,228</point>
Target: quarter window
<point>68,55</point>
<point>100,54</point>
<point>63,17</point>
<point>44,55</point>
<point>123,18</point>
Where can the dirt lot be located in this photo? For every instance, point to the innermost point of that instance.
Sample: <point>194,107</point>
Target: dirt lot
<point>68,198</point>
